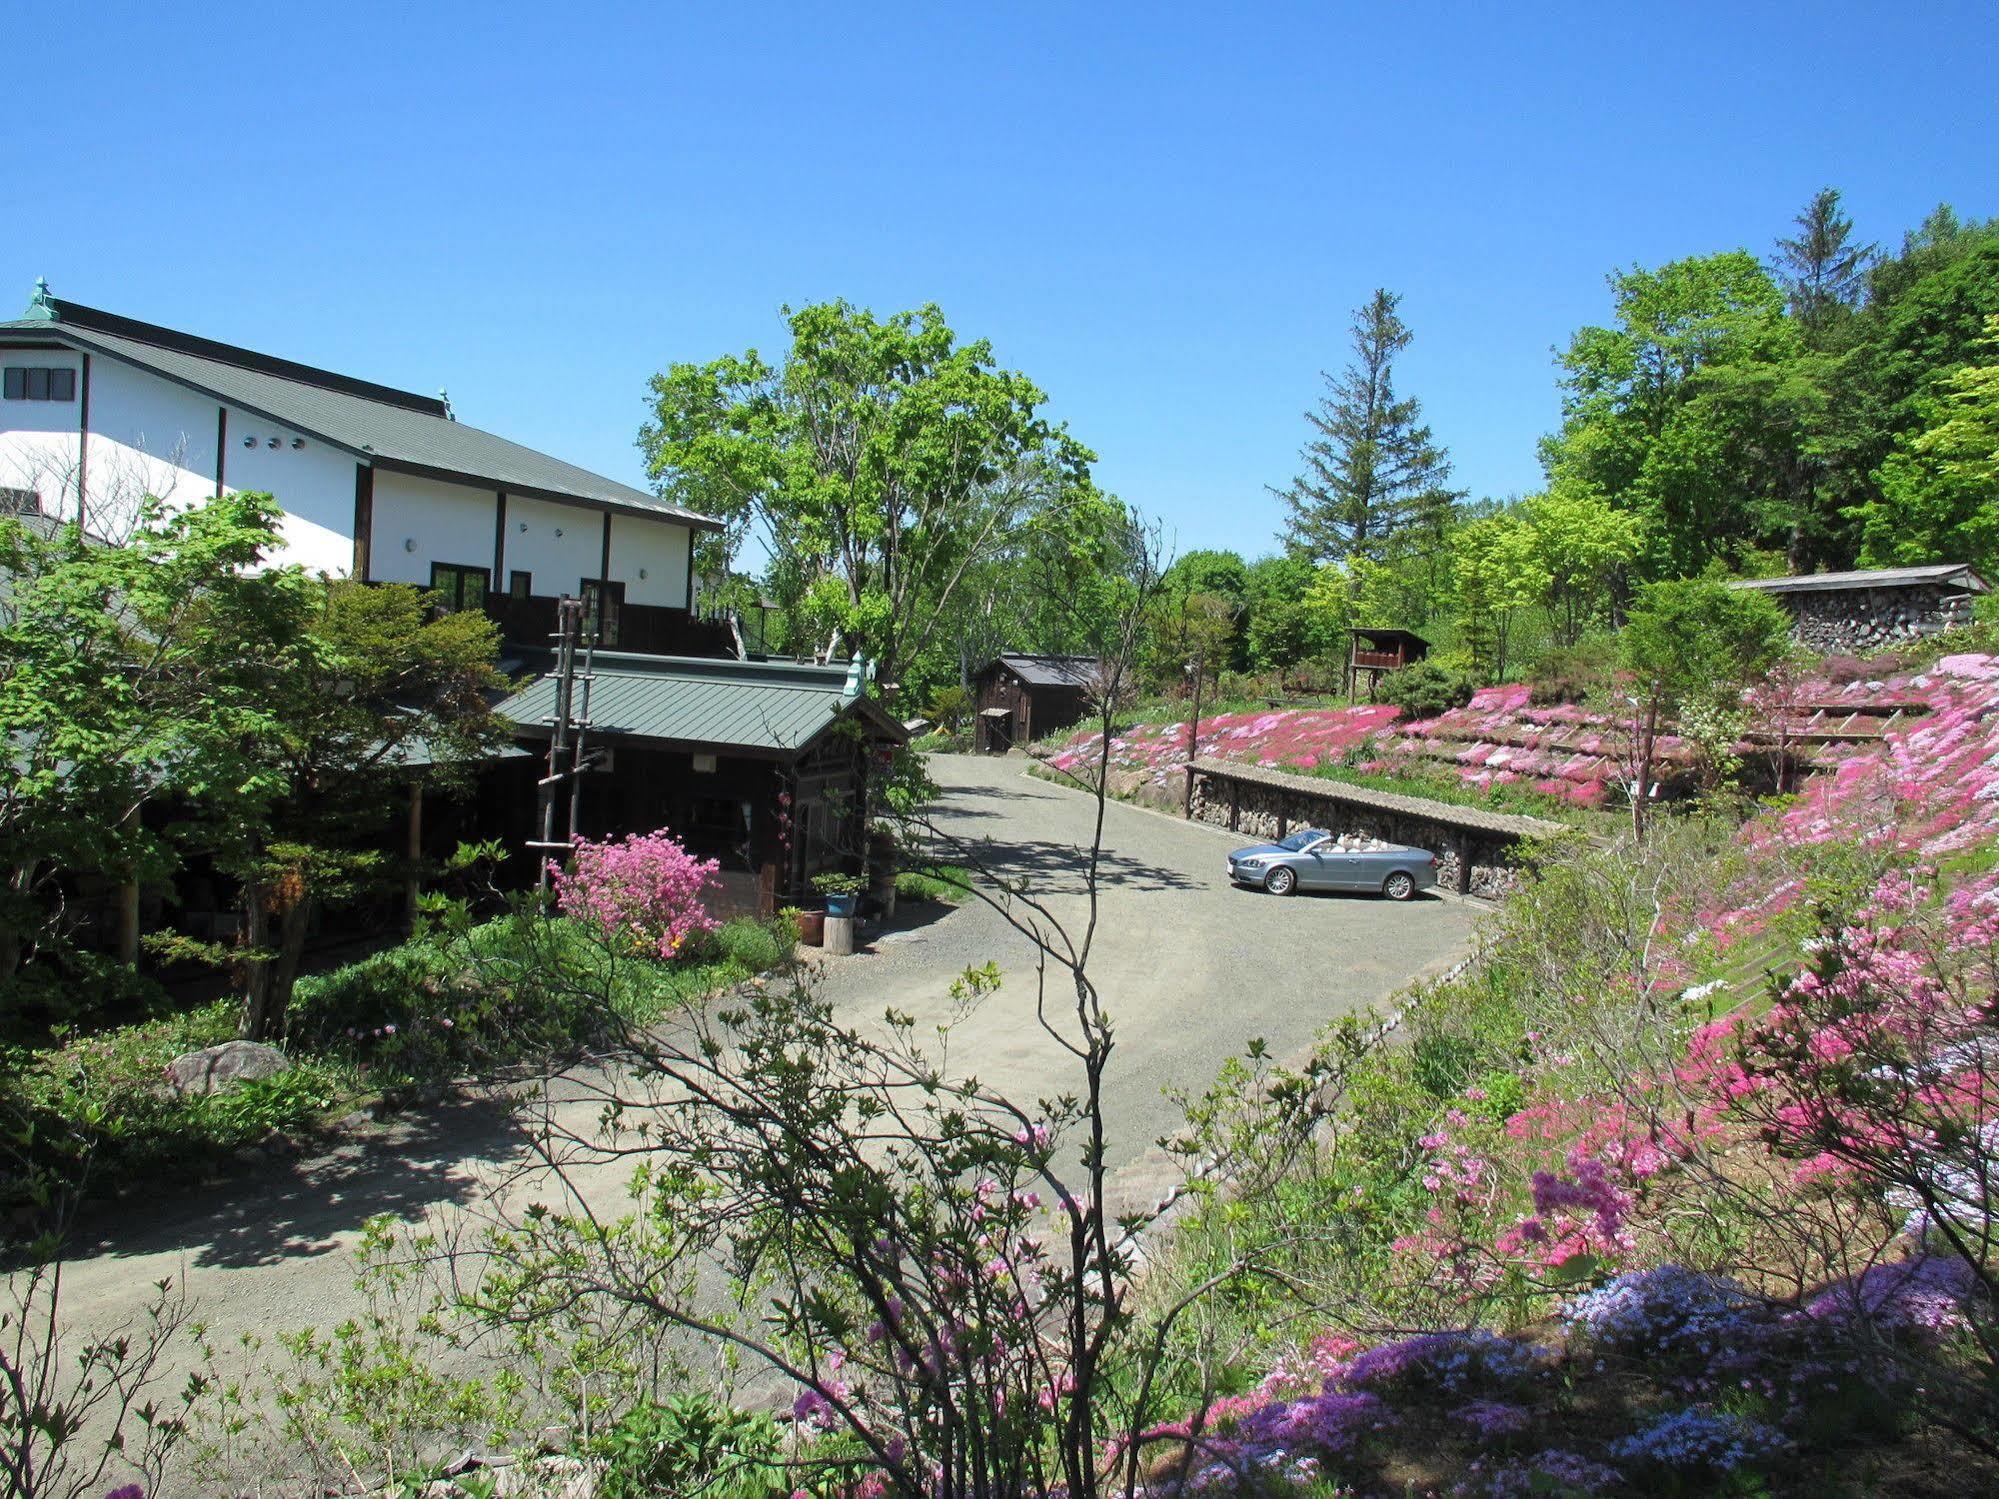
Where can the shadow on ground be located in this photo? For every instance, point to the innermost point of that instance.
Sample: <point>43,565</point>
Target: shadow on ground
<point>287,1210</point>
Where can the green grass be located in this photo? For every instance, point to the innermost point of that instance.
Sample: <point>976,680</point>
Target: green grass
<point>948,883</point>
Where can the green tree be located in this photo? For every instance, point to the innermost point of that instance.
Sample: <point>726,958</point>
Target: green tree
<point>120,684</point>
<point>1668,412</point>
<point>1373,474</point>
<point>1691,643</point>
<point>1496,571</point>
<point>881,461</point>
<point>1281,631</point>
<point>1824,270</point>
<point>1940,488</point>
<point>361,687</point>
<point>1582,545</point>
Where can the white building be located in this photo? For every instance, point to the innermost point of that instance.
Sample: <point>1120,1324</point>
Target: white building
<point>98,410</point>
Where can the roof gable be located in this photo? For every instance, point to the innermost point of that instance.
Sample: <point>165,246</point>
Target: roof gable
<point>1960,573</point>
<point>380,425</point>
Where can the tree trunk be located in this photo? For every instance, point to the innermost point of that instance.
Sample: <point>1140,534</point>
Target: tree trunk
<point>1641,778</point>
<point>268,988</point>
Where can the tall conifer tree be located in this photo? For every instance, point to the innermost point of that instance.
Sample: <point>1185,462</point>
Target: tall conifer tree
<point>1372,472</point>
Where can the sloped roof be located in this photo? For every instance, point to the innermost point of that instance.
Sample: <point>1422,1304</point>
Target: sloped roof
<point>1049,671</point>
<point>767,706</point>
<point>1959,573</point>
<point>391,428</point>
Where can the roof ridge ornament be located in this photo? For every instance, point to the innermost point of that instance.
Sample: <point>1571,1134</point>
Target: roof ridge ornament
<point>444,400</point>
<point>42,305</point>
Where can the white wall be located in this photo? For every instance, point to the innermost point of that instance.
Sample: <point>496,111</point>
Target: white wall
<point>446,522</point>
<point>314,484</point>
<point>38,439</point>
<point>559,563</point>
<point>147,436</point>
<point>660,549</point>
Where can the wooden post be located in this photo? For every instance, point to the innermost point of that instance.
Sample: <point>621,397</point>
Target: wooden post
<point>128,904</point>
<point>1461,845</point>
<point>1235,804</point>
<point>414,849</point>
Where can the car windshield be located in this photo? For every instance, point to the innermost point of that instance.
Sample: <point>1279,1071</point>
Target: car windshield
<point>1301,840</point>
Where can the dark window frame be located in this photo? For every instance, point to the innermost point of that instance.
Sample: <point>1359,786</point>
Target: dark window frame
<point>520,584</point>
<point>38,382</point>
<point>452,592</point>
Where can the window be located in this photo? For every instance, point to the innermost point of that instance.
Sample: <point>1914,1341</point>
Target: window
<point>459,587</point>
<point>20,502</point>
<point>608,601</point>
<point>29,382</point>
<point>520,585</point>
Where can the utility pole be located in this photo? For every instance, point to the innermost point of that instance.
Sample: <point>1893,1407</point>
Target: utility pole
<point>568,754</point>
<point>1198,668</point>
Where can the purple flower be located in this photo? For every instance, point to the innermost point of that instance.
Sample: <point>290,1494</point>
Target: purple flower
<point>1331,1423</point>
<point>1701,1437</point>
<point>1929,1292</point>
<point>128,1491</point>
<point>1491,1420</point>
<point>1669,1309</point>
<point>1553,1472</point>
<point>1449,1361</point>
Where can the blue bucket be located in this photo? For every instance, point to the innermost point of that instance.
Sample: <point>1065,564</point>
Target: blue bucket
<point>842,905</point>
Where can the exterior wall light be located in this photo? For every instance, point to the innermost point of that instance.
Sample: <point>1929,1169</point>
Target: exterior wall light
<point>409,543</point>
<point>558,530</point>
<point>642,575</point>
<point>274,442</point>
<point>297,443</point>
<point>249,442</point>
<point>524,528</point>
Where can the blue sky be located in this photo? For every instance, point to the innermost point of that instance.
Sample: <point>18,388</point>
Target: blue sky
<point>1163,214</point>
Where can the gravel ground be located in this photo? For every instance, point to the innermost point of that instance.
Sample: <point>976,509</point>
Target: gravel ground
<point>1190,970</point>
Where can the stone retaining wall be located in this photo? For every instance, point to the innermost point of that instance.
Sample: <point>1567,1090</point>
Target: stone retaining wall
<point>1471,860</point>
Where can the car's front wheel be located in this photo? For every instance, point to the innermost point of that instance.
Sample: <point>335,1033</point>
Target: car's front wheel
<point>1280,882</point>
<point>1399,886</point>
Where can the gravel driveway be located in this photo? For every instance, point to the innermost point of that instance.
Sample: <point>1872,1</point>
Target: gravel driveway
<point>1189,967</point>
<point>1190,970</point>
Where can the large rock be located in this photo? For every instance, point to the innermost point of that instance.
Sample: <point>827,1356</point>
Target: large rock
<point>215,1068</point>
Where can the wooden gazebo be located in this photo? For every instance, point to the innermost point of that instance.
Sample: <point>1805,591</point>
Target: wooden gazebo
<point>1378,652</point>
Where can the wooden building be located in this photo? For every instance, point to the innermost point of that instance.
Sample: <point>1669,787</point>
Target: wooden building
<point>763,765</point>
<point>1019,698</point>
<point>1375,653</point>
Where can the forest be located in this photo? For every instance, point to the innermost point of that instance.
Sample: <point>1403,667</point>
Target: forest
<point>1824,405</point>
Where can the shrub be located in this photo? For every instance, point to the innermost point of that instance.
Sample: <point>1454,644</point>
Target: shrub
<point>644,891</point>
<point>1426,690</point>
<point>949,708</point>
<point>1573,674</point>
<point>691,1444</point>
<point>750,945</point>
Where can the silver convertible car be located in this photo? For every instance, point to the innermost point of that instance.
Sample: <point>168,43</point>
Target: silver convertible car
<point>1309,859</point>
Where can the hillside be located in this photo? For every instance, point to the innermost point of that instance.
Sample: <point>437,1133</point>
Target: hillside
<point>1682,1181</point>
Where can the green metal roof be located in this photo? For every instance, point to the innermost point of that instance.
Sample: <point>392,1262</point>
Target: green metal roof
<point>377,423</point>
<point>766,706</point>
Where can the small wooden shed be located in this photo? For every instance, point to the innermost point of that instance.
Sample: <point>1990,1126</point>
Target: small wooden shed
<point>1377,652</point>
<point>1019,698</point>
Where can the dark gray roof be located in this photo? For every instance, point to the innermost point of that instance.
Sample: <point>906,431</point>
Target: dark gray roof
<point>1050,671</point>
<point>752,705</point>
<point>1958,573</point>
<point>390,428</point>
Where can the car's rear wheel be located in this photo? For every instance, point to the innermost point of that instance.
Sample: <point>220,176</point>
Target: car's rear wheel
<point>1280,882</point>
<point>1399,885</point>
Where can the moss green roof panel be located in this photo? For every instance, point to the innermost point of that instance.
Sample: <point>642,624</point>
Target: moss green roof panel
<point>752,705</point>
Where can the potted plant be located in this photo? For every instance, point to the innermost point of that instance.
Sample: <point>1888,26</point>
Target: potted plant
<point>810,925</point>
<point>842,892</point>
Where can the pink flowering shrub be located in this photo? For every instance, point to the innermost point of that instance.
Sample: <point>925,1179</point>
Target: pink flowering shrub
<point>643,891</point>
